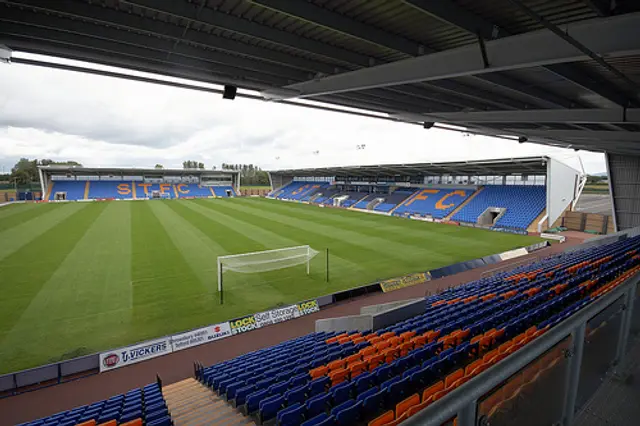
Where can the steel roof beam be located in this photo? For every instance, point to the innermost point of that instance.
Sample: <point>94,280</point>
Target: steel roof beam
<point>594,84</point>
<point>543,97</point>
<point>161,29</point>
<point>453,14</point>
<point>336,21</point>
<point>75,32</point>
<point>188,11</point>
<point>601,7</point>
<point>138,59</point>
<point>580,135</point>
<point>604,116</point>
<point>612,37</point>
<point>192,12</point>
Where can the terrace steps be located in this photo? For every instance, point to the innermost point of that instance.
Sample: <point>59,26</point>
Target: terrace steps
<point>461,206</point>
<point>533,226</point>
<point>193,404</point>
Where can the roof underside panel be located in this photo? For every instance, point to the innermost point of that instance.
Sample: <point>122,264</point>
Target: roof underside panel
<point>499,167</point>
<point>591,88</point>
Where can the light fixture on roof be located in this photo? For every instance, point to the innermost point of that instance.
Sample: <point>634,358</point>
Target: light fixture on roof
<point>229,92</point>
<point>5,54</point>
<point>523,139</point>
<point>428,124</point>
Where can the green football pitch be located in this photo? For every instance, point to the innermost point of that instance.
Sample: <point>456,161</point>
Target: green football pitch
<point>78,278</point>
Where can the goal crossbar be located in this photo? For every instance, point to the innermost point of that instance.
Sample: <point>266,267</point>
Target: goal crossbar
<point>264,261</point>
<point>253,253</point>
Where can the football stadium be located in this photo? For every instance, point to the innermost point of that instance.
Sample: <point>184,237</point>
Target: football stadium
<point>466,293</point>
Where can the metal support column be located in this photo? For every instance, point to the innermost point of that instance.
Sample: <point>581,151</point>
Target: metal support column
<point>573,374</point>
<point>468,415</point>
<point>625,324</point>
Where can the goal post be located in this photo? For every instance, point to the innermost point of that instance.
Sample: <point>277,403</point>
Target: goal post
<point>264,261</point>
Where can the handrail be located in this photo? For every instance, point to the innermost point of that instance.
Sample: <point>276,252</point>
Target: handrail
<point>459,400</point>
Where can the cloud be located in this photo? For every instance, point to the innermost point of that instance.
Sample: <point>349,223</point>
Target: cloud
<point>104,121</point>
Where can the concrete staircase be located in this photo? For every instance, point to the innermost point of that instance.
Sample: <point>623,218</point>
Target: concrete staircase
<point>461,206</point>
<point>192,404</point>
<point>533,226</point>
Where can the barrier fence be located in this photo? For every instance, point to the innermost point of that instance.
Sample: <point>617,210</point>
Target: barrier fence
<point>567,361</point>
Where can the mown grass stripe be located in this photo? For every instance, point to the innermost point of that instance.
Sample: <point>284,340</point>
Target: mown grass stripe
<point>241,289</point>
<point>402,230</point>
<point>167,294</point>
<point>256,220</point>
<point>87,318</point>
<point>372,224</point>
<point>14,238</point>
<point>202,250</point>
<point>348,235</point>
<point>15,208</point>
<point>25,271</point>
<point>25,215</point>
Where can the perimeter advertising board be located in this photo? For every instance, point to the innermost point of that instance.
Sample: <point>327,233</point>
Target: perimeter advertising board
<point>200,336</point>
<point>275,316</point>
<point>153,348</point>
<point>406,281</point>
<point>133,354</point>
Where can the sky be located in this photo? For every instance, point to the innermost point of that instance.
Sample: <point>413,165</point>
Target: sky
<point>106,121</point>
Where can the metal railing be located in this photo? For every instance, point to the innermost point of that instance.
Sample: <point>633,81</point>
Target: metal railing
<point>463,401</point>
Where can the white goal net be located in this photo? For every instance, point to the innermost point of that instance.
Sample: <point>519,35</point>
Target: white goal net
<point>264,261</point>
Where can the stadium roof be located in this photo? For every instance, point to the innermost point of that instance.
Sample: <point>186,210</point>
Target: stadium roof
<point>559,72</point>
<point>507,166</point>
<point>129,171</point>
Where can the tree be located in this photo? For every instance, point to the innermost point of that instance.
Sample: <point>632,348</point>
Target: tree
<point>26,171</point>
<point>250,174</point>
<point>192,164</point>
<point>159,166</point>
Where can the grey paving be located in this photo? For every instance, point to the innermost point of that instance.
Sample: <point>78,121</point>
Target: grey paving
<point>594,203</point>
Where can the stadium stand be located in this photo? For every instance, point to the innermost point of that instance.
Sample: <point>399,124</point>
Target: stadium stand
<point>500,206</point>
<point>383,377</point>
<point>137,407</point>
<point>91,190</point>
<point>437,203</point>
<point>520,205</point>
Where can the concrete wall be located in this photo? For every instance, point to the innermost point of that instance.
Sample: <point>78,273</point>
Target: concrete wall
<point>375,309</point>
<point>374,317</point>
<point>348,323</point>
<point>400,313</point>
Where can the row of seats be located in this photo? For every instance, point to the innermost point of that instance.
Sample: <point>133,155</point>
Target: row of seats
<point>522,205</point>
<point>384,377</point>
<point>299,191</point>
<point>92,190</point>
<point>138,407</point>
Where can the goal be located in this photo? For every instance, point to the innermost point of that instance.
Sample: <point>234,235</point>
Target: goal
<point>264,261</point>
